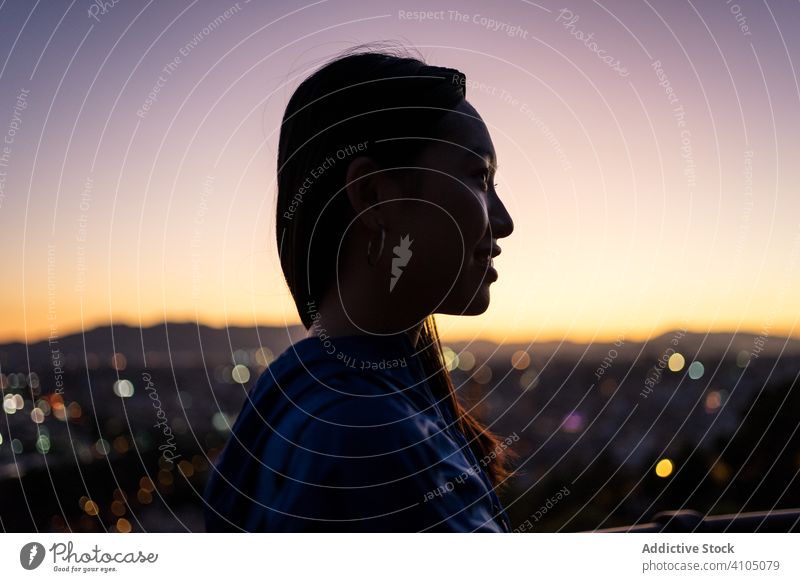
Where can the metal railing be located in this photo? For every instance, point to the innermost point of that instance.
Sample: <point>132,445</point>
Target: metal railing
<point>686,521</point>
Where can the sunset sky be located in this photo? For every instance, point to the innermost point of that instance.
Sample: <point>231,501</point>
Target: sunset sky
<point>652,169</point>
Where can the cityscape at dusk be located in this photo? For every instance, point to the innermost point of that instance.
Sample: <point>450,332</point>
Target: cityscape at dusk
<point>629,429</point>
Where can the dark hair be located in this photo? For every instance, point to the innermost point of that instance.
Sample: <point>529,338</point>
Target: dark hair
<point>389,104</point>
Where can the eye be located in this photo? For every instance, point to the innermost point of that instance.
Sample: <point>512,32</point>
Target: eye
<point>483,178</point>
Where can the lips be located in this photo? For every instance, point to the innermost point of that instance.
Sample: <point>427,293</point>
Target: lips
<point>485,255</point>
<point>484,260</point>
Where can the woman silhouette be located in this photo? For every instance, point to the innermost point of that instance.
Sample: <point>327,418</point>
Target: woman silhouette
<point>386,214</point>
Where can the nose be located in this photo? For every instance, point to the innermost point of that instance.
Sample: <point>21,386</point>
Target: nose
<point>499,219</point>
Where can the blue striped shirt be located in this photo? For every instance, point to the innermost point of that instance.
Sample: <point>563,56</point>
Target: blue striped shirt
<point>346,435</point>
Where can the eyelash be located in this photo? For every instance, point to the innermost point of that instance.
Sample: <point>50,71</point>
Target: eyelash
<point>484,176</point>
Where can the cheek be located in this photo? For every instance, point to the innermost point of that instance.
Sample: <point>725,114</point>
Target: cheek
<point>438,247</point>
<point>445,226</point>
<point>453,219</point>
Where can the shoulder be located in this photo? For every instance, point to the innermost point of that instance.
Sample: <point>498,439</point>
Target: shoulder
<point>357,416</point>
<point>394,466</point>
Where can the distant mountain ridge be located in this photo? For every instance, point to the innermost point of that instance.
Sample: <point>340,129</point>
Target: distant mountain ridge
<point>700,345</point>
<point>188,344</point>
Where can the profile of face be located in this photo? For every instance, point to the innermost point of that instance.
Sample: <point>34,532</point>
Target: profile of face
<point>443,224</point>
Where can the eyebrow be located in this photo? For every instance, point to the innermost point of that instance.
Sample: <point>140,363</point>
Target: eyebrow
<point>483,153</point>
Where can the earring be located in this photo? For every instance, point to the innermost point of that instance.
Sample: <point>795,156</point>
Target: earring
<point>374,261</point>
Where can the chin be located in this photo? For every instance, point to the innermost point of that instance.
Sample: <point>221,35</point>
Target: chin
<point>472,304</point>
<point>478,306</point>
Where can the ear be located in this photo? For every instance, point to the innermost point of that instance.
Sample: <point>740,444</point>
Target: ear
<point>367,186</point>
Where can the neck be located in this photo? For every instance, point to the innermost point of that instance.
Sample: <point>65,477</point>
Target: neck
<point>335,321</point>
<point>360,303</point>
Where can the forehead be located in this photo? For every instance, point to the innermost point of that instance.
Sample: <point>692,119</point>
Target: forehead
<point>464,134</point>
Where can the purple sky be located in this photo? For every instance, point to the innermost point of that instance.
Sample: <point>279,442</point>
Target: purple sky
<point>649,156</point>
